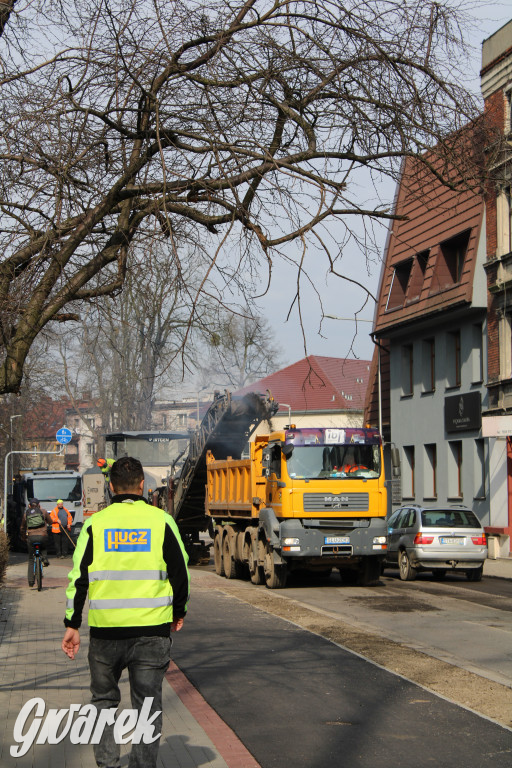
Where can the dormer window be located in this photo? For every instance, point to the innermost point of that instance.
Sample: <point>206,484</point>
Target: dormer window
<point>418,275</point>
<point>399,282</point>
<point>450,262</point>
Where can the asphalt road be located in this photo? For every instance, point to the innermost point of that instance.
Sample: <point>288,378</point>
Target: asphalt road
<point>296,699</point>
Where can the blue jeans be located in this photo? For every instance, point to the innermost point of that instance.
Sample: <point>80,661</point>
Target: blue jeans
<point>146,659</point>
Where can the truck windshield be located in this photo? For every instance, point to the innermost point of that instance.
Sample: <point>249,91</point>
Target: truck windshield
<point>53,488</point>
<point>335,461</point>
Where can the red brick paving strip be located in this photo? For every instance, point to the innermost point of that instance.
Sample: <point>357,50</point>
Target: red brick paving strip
<point>223,738</point>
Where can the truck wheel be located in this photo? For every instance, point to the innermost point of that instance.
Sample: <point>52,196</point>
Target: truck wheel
<point>407,572</point>
<point>217,552</point>
<point>369,572</point>
<point>275,575</point>
<point>233,568</point>
<point>255,571</point>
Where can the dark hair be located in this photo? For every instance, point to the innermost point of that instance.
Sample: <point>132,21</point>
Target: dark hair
<point>126,474</point>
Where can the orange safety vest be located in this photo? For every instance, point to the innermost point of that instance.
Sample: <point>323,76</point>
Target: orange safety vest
<point>54,514</point>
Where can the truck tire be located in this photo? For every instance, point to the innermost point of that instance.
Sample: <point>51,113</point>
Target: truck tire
<point>369,572</point>
<point>275,575</point>
<point>256,574</point>
<point>233,568</point>
<point>217,552</point>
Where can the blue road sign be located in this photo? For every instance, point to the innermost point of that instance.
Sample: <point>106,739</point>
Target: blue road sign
<point>64,435</point>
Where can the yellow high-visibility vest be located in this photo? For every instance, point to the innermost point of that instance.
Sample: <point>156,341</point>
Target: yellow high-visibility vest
<point>128,583</point>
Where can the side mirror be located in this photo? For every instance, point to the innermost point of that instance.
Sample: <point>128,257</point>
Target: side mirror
<point>287,450</point>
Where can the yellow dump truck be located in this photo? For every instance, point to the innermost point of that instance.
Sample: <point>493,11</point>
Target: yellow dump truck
<point>311,498</point>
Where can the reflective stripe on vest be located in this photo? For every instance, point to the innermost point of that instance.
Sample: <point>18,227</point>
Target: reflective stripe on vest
<point>128,582</point>
<point>127,575</point>
<point>133,602</point>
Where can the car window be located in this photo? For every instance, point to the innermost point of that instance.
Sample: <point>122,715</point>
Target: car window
<point>403,517</point>
<point>451,518</point>
<point>392,522</point>
<point>409,519</point>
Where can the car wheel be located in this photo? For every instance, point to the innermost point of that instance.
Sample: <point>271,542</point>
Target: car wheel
<point>475,574</point>
<point>407,572</point>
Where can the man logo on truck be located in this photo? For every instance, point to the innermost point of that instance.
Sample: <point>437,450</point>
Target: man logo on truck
<point>336,501</point>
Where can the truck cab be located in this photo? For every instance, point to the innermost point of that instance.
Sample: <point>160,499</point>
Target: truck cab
<point>48,486</point>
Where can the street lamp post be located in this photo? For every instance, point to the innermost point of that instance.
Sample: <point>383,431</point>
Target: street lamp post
<point>354,319</point>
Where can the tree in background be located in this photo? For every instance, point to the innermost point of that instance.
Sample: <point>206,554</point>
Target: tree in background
<point>241,350</point>
<point>236,126</point>
<point>125,353</point>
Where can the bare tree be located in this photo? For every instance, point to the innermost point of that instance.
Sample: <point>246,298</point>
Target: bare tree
<point>123,354</point>
<point>235,125</point>
<point>242,349</point>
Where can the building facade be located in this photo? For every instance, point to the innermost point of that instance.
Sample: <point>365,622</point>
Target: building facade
<point>496,82</point>
<point>430,328</point>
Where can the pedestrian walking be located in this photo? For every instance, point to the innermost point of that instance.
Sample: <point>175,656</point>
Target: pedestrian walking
<point>61,520</point>
<point>131,559</point>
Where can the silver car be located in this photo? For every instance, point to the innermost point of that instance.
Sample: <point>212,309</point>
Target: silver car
<point>436,539</point>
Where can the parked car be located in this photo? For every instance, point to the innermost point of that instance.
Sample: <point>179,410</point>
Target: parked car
<point>436,539</point>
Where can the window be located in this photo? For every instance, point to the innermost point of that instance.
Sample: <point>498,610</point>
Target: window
<point>430,472</point>
<point>409,519</point>
<point>479,469</point>
<point>450,261</point>
<point>393,520</point>
<point>90,449</point>
<point>182,419</point>
<point>417,276</point>
<point>504,222</point>
<point>505,346</point>
<point>408,472</point>
<point>407,370</point>
<point>429,365</point>
<point>399,281</point>
<point>453,359</point>
<point>454,468</point>
<point>477,357</point>
<point>164,421</point>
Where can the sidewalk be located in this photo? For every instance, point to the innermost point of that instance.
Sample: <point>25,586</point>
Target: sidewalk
<point>33,665</point>
<point>501,568</point>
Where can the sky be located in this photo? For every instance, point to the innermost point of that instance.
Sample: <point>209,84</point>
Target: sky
<point>338,338</point>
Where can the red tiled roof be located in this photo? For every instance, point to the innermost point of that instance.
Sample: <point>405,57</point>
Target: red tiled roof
<point>317,383</point>
<point>44,418</point>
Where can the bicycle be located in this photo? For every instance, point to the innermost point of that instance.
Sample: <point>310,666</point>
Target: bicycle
<point>38,567</point>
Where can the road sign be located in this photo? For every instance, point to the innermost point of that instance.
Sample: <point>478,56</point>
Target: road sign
<point>64,435</point>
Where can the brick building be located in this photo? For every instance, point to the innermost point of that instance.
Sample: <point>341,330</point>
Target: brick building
<point>496,83</point>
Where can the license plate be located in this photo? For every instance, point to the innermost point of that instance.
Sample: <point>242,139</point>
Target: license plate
<point>337,540</point>
<point>448,540</point>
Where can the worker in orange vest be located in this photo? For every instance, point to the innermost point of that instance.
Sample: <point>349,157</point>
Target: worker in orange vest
<point>61,518</point>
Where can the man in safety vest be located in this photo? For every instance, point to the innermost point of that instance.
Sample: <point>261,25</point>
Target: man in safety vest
<point>105,465</point>
<point>131,559</point>
<point>61,519</point>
